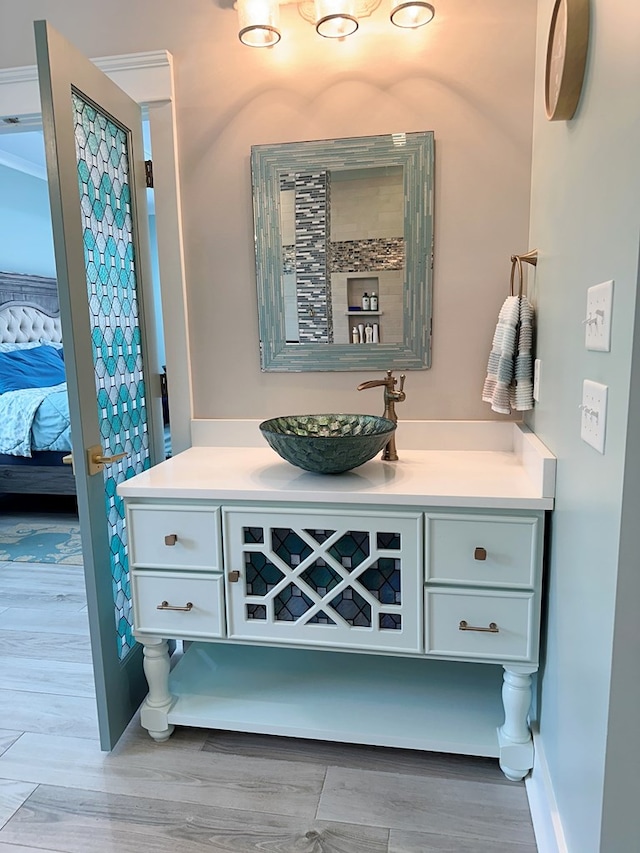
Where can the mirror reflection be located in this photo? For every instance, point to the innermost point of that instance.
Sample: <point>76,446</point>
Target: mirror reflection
<point>343,252</point>
<point>358,251</point>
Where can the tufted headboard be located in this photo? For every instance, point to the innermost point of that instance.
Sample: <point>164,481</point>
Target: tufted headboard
<point>28,309</point>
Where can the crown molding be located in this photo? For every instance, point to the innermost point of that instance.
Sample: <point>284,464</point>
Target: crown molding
<point>146,77</point>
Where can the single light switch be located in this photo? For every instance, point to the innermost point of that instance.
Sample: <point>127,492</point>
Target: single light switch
<point>594,414</point>
<point>597,335</point>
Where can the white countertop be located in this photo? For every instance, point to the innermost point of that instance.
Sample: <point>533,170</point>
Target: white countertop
<point>521,476</point>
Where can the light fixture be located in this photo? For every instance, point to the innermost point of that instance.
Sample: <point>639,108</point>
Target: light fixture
<point>333,19</point>
<point>411,14</point>
<point>259,22</point>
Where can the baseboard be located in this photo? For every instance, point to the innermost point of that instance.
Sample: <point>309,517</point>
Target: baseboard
<point>542,803</point>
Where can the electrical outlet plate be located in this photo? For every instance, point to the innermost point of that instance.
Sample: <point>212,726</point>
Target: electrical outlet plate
<point>597,335</point>
<point>594,414</point>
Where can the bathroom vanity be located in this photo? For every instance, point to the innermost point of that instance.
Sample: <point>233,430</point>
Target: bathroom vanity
<point>397,604</point>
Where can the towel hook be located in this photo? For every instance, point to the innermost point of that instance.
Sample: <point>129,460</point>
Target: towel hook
<point>516,261</point>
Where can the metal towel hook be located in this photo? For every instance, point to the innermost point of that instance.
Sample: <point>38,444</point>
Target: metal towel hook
<point>516,261</point>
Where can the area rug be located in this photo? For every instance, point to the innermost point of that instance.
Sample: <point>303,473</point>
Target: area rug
<point>40,539</point>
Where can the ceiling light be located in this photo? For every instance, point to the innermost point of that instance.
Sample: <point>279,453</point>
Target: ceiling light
<point>335,18</point>
<point>259,22</point>
<point>411,13</point>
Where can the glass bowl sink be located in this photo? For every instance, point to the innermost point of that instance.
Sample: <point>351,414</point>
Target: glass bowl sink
<point>327,444</point>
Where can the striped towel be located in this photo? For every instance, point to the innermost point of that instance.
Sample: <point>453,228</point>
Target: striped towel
<point>509,383</point>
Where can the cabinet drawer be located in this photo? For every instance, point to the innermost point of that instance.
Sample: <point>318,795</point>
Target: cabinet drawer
<point>512,614</point>
<point>175,537</point>
<point>482,550</point>
<point>205,594</point>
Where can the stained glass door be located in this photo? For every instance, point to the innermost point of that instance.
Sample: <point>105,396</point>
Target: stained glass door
<point>95,164</point>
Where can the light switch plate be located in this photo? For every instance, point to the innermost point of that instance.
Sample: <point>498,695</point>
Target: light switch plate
<point>537,366</point>
<point>597,335</point>
<point>594,414</point>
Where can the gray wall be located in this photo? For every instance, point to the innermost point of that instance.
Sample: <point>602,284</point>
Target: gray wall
<point>585,219</point>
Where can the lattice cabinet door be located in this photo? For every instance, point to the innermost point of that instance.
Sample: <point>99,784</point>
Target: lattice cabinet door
<point>324,577</point>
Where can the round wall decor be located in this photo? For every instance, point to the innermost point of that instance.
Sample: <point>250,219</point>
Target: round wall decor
<point>566,58</point>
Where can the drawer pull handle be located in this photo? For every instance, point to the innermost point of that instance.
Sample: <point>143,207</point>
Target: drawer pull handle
<point>166,606</point>
<point>171,539</point>
<point>234,576</point>
<point>492,629</point>
<point>480,554</point>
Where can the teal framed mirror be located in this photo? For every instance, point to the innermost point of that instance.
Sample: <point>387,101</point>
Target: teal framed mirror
<point>344,252</point>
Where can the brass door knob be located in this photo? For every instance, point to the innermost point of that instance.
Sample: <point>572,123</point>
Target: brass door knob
<point>171,539</point>
<point>480,554</point>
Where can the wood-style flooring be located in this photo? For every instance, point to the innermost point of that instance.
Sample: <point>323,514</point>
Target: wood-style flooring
<point>210,791</point>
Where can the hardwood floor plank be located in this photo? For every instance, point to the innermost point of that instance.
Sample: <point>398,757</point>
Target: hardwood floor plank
<point>357,756</point>
<point>39,586</point>
<point>46,647</point>
<point>428,842</point>
<point>19,848</point>
<point>12,796</point>
<point>94,822</point>
<point>61,678</point>
<point>189,776</point>
<point>49,714</point>
<point>54,619</point>
<point>470,810</point>
<point>7,737</point>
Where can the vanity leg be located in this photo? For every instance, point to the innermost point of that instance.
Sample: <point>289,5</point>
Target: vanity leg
<point>154,709</point>
<point>514,736</point>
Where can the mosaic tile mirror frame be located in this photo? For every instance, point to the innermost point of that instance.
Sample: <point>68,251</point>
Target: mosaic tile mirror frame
<point>334,220</point>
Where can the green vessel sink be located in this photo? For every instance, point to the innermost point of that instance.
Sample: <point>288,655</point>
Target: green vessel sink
<point>327,444</point>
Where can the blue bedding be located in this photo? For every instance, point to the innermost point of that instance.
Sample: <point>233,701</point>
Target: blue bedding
<point>34,419</point>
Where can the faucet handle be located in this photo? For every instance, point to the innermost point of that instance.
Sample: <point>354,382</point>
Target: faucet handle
<point>403,376</point>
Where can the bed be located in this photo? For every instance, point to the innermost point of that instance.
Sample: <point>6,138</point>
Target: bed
<point>34,421</point>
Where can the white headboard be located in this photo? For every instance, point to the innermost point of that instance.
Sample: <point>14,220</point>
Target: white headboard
<point>26,323</point>
<point>28,309</point>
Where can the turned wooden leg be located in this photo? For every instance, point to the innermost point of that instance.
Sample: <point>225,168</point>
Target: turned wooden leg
<point>514,736</point>
<point>154,709</point>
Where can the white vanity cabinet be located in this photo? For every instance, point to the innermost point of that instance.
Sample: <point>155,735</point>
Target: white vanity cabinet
<point>343,608</point>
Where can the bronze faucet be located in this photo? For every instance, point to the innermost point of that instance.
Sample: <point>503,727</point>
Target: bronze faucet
<point>391,397</point>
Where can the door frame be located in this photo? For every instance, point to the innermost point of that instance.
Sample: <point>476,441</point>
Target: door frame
<point>148,79</point>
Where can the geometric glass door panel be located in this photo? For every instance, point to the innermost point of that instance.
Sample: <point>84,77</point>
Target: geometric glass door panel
<point>97,194</point>
<point>102,152</point>
<point>324,577</point>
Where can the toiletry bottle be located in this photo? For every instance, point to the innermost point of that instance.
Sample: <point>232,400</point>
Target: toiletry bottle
<point>373,302</point>
<point>368,333</point>
<point>360,333</point>
<point>355,337</point>
<point>376,334</point>
<point>365,301</point>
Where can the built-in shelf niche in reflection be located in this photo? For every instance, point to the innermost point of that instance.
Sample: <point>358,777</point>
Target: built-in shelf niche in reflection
<point>347,290</point>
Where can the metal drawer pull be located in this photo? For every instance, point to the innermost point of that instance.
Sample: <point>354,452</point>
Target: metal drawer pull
<point>234,576</point>
<point>171,539</point>
<point>492,629</point>
<point>480,554</point>
<point>166,606</point>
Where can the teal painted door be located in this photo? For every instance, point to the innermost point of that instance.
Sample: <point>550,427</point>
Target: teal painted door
<point>95,164</point>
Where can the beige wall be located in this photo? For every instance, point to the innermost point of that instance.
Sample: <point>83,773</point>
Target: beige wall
<point>468,76</point>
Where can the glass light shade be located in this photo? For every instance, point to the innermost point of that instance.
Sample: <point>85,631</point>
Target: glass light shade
<point>336,19</point>
<point>411,13</point>
<point>259,22</point>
